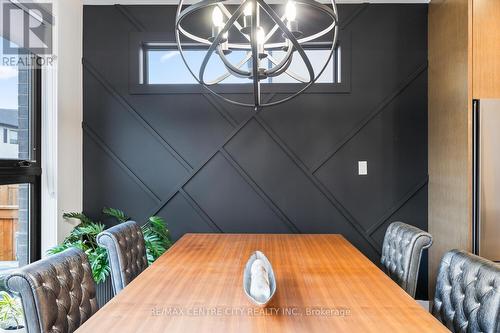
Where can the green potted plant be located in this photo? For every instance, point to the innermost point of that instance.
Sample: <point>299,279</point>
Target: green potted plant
<point>156,235</point>
<point>11,314</point>
<point>83,236</point>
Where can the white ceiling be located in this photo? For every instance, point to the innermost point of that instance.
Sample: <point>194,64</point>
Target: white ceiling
<point>170,2</point>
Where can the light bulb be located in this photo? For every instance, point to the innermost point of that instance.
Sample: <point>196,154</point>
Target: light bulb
<point>291,11</point>
<point>247,11</point>
<point>261,36</point>
<point>217,17</point>
<point>261,39</point>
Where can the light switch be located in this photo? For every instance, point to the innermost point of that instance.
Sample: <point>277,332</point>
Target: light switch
<point>363,168</point>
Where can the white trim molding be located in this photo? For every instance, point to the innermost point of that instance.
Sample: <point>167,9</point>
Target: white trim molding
<point>49,158</point>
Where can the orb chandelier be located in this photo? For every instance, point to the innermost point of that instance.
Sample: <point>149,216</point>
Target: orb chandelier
<point>241,28</point>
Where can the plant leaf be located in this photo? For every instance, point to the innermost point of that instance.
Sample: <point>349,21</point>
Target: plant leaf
<point>79,216</point>
<point>116,213</point>
<point>83,237</point>
<point>11,311</point>
<point>156,238</point>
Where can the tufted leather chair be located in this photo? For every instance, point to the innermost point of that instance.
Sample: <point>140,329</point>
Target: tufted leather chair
<point>467,297</point>
<point>126,252</point>
<point>58,293</point>
<point>401,254</point>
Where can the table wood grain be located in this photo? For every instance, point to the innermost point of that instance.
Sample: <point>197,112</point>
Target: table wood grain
<point>324,284</point>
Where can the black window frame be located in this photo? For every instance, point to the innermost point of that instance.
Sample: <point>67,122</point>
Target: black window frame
<point>18,171</point>
<point>141,42</point>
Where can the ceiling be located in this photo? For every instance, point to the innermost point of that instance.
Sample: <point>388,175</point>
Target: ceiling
<point>169,2</point>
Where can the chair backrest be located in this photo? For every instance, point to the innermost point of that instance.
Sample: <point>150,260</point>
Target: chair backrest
<point>58,293</point>
<point>467,297</point>
<point>126,252</point>
<point>401,254</point>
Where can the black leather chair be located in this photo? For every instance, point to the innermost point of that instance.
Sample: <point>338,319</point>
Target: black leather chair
<point>467,297</point>
<point>58,293</point>
<point>126,253</point>
<point>401,254</point>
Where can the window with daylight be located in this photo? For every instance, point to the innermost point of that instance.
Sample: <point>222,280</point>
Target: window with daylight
<point>164,65</point>
<point>20,170</point>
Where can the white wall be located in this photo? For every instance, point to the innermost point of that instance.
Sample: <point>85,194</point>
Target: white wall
<point>62,125</point>
<point>70,106</point>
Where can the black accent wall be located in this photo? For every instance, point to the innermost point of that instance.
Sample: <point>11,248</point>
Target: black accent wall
<point>207,166</point>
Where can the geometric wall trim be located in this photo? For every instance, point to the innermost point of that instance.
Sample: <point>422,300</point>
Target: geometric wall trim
<point>207,166</point>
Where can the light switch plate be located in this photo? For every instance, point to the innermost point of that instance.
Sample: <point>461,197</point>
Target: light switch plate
<point>362,168</point>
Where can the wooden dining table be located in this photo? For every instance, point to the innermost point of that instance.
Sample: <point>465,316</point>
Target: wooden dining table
<point>324,284</point>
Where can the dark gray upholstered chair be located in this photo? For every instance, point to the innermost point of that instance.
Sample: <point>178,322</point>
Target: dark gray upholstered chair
<point>58,293</point>
<point>401,254</point>
<point>467,297</point>
<point>126,252</point>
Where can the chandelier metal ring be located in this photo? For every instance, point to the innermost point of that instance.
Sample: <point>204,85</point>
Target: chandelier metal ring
<point>257,47</point>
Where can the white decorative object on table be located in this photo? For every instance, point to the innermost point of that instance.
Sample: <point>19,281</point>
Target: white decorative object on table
<point>259,282</point>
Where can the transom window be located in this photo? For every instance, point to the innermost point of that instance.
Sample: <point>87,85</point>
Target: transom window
<point>163,65</point>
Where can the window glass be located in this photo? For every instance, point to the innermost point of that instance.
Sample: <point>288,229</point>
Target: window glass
<point>15,113</point>
<point>13,137</point>
<point>167,67</point>
<point>19,91</point>
<point>14,225</point>
<point>317,58</point>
